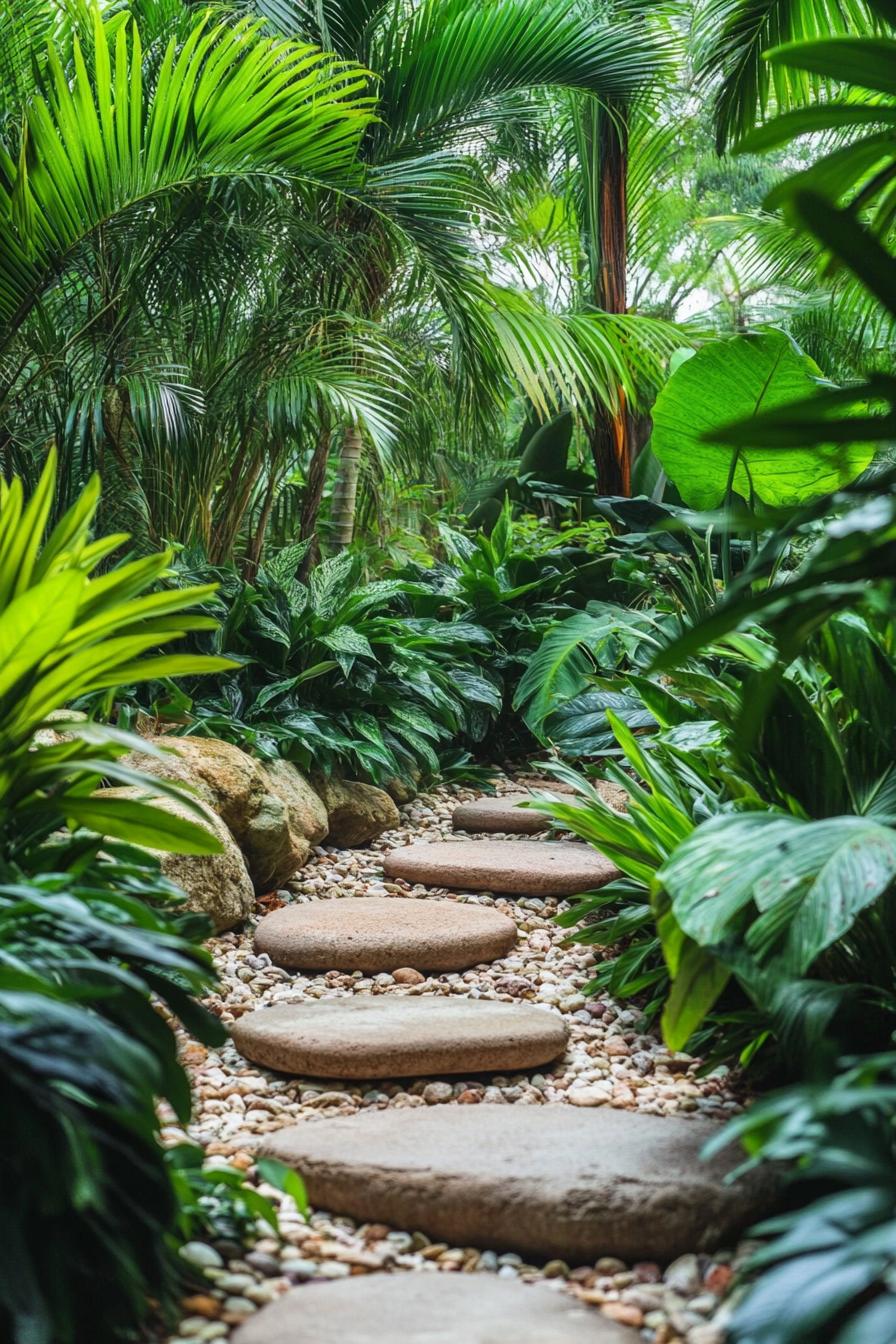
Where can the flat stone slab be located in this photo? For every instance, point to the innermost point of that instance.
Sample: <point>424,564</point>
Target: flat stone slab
<point>505,813</point>
<point>500,814</point>
<point>428,1308</point>
<point>545,1181</point>
<point>517,867</point>
<point>393,1036</point>
<point>373,934</point>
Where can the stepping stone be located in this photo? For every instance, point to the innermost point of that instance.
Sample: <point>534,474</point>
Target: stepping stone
<point>505,814</point>
<point>373,934</point>
<point>393,1036</point>
<point>545,1181</point>
<point>429,1308</point>
<point>518,867</point>
<point>500,814</point>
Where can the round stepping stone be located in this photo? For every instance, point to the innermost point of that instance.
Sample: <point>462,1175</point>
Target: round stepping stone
<point>500,814</point>
<point>505,813</point>
<point>545,1181</point>
<point>518,867</point>
<point>391,1036</point>
<point>428,1309</point>
<point>373,934</point>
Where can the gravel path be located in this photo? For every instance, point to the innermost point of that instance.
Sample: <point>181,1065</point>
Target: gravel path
<point>607,1062</point>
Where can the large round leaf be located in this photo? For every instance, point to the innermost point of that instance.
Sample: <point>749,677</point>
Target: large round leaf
<point>731,381</point>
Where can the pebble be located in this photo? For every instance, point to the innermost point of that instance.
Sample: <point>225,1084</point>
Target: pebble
<point>434,1093</point>
<point>201,1256</point>
<point>610,1060</point>
<point>406,975</point>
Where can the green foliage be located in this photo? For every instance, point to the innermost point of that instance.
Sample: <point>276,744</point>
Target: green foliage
<point>554,694</point>
<point>339,674</point>
<point>103,140</point>
<point>93,938</point>
<point>542,478</point>
<point>68,631</point>
<point>826,1270</point>
<point>732,381</point>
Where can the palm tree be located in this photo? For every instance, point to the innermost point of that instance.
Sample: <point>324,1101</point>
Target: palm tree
<point>114,138</point>
<point>449,75</point>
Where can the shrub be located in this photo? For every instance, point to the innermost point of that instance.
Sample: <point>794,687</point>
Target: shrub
<point>94,940</point>
<point>338,674</point>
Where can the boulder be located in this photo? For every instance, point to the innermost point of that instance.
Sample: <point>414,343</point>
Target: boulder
<point>48,736</point>
<point>305,808</point>
<point>401,791</point>
<point>272,813</point>
<point>356,812</point>
<point>544,1181</point>
<point>217,885</point>
<point>374,934</point>
<point>396,1036</point>
<point>429,1309</point>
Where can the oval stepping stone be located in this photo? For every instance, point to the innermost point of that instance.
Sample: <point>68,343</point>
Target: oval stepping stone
<point>505,813</point>
<point>370,933</point>
<point>500,814</point>
<point>428,1309</point>
<point>518,867</point>
<point>552,1180</point>
<point>391,1036</point>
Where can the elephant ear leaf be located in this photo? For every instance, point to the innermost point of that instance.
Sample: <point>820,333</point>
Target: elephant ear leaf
<point>731,382</point>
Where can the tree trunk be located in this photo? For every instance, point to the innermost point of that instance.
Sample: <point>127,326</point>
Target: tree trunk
<point>314,493</point>
<point>610,434</point>
<point>256,543</point>
<point>346,492</point>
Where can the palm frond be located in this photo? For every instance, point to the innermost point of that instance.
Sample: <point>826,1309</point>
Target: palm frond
<point>732,39</point>
<point>228,102</point>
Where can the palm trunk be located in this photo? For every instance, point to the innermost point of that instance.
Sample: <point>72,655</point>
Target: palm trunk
<point>610,433</point>
<point>346,492</point>
<point>256,543</point>
<point>314,493</point>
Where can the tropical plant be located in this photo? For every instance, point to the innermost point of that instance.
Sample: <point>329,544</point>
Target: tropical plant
<point>338,674</point>
<point>417,221</point>
<point>747,376</point>
<point>826,1270</point>
<point>92,935</point>
<point>131,219</point>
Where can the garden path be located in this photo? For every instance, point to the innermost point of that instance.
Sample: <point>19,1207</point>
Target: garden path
<point>412,1183</point>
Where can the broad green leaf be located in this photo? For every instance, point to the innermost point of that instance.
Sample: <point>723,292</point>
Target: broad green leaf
<point>141,824</point>
<point>793,887</point>
<point>730,382</point>
<point>699,980</point>
<point>568,655</point>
